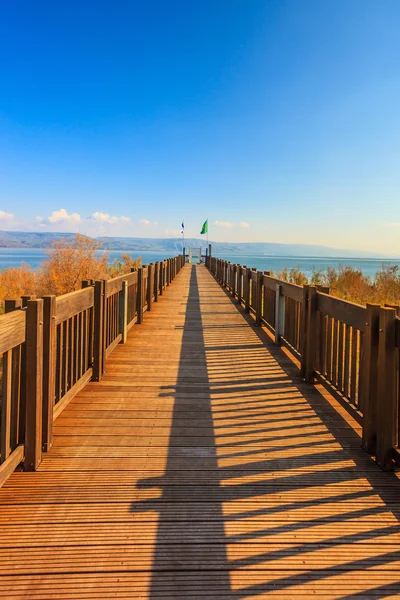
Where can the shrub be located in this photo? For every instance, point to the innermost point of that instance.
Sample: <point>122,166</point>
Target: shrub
<point>68,264</point>
<point>352,284</point>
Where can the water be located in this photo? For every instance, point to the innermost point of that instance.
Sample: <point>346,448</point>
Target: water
<point>14,257</point>
<point>307,265</point>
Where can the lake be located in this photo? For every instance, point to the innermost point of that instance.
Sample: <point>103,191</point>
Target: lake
<point>14,257</point>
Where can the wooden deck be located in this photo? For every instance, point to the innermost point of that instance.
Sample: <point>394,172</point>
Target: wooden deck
<point>201,466</point>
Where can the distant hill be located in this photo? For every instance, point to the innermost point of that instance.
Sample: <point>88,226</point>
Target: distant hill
<point>29,239</point>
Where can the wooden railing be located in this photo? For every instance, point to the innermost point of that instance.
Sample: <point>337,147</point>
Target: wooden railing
<point>353,350</point>
<point>52,346</point>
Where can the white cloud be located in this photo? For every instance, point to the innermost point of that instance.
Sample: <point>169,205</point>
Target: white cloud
<point>106,218</point>
<point>4,216</point>
<point>144,222</point>
<point>225,224</point>
<point>39,219</point>
<point>244,225</point>
<point>61,216</point>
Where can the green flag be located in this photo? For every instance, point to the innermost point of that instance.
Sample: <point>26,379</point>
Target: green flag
<point>204,229</point>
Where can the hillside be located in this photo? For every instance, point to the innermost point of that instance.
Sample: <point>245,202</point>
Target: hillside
<point>24,239</point>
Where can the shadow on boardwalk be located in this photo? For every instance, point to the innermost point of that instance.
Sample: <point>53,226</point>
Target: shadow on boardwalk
<point>271,493</point>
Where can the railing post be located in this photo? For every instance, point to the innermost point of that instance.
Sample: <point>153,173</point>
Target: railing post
<point>156,281</point>
<point>370,375</point>
<point>85,283</point>
<point>10,419</point>
<point>123,312</point>
<point>279,314</point>
<point>98,334</point>
<point>246,288</point>
<point>150,285</point>
<point>387,390</point>
<point>234,280</point>
<point>258,286</point>
<point>303,331</point>
<point>34,379</point>
<point>49,369</point>
<point>310,335</point>
<point>239,283</point>
<point>160,278</point>
<point>323,288</point>
<point>25,300</point>
<point>140,296</point>
<point>11,305</point>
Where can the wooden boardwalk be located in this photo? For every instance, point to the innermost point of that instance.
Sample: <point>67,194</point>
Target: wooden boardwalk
<point>201,466</point>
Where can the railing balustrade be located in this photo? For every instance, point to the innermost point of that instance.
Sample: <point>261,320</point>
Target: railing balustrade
<point>52,346</point>
<point>353,350</point>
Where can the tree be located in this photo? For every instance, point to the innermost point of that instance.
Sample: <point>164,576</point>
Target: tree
<point>69,264</point>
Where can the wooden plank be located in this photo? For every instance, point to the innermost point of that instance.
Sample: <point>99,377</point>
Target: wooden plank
<point>342,310</point>
<point>289,290</point>
<point>141,296</point>
<point>71,352</point>
<point>6,408</point>
<point>71,304</point>
<point>98,326</point>
<point>113,344</point>
<point>75,389</point>
<point>150,286</point>
<point>347,357</point>
<point>123,312</point>
<point>8,466</point>
<point>353,366</point>
<point>335,352</point>
<point>210,470</point>
<point>258,294</point>
<point>12,330</point>
<point>330,324</point>
<point>65,358</point>
<point>156,281</point>
<point>340,356</point>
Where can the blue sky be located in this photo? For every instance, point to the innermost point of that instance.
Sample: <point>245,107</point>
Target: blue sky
<point>277,120</point>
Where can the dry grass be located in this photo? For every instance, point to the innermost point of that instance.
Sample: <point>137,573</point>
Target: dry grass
<point>67,265</point>
<point>352,284</point>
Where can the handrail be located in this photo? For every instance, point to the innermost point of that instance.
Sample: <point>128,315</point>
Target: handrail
<point>53,346</point>
<point>353,350</point>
